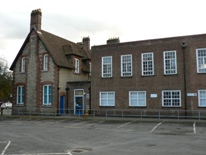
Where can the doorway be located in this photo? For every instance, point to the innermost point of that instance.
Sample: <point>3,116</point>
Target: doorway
<point>79,101</point>
<point>61,107</point>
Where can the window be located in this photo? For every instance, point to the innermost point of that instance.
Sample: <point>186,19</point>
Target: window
<point>137,98</point>
<point>47,95</point>
<point>107,99</point>
<point>45,67</point>
<point>23,61</point>
<point>201,60</point>
<point>107,66</point>
<point>126,65</point>
<point>147,64</point>
<point>170,63</point>
<point>202,98</point>
<point>20,95</point>
<point>171,98</point>
<point>76,65</point>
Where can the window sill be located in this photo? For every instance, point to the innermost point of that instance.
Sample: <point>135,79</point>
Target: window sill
<point>46,106</point>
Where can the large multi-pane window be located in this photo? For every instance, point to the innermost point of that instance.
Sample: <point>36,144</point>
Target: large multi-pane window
<point>147,64</point>
<point>170,62</point>
<point>76,65</point>
<point>45,67</point>
<point>126,65</point>
<point>107,98</point>
<point>171,98</point>
<point>20,95</point>
<point>47,95</point>
<point>107,66</point>
<point>23,63</point>
<point>137,98</point>
<point>201,60</point>
<point>202,98</point>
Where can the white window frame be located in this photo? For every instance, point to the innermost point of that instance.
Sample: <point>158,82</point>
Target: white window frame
<point>76,65</point>
<point>20,95</point>
<point>106,67</point>
<point>45,66</point>
<point>147,69</point>
<point>171,98</point>
<point>202,98</point>
<point>90,68</point>
<point>172,61</point>
<point>138,99</point>
<point>48,95</point>
<point>107,99</point>
<point>201,60</point>
<point>23,65</point>
<point>127,70</point>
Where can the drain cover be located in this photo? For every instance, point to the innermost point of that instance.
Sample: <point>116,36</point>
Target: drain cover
<point>80,150</point>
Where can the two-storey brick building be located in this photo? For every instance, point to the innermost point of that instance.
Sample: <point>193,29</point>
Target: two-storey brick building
<point>159,74</point>
<point>51,74</point>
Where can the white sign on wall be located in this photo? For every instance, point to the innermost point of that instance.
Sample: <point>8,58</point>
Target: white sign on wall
<point>153,95</point>
<point>191,94</point>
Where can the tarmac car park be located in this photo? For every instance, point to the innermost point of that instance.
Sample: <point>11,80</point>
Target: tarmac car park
<point>102,136</point>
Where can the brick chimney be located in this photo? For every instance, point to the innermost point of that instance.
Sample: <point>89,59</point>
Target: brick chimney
<point>36,19</point>
<point>86,44</point>
<point>113,41</point>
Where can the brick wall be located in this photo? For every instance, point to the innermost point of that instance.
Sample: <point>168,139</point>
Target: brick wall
<point>151,84</point>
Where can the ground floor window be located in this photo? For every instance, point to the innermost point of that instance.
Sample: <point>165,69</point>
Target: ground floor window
<point>47,95</point>
<point>202,98</point>
<point>137,98</point>
<point>107,98</point>
<point>20,95</point>
<point>171,98</point>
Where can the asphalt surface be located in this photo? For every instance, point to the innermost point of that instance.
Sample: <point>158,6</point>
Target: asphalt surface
<point>100,136</point>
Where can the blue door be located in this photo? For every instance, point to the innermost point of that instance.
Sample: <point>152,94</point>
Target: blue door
<point>61,111</point>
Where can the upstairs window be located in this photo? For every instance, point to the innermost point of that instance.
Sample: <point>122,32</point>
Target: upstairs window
<point>45,63</point>
<point>202,98</point>
<point>47,95</point>
<point>170,62</point>
<point>201,60</point>
<point>76,65</point>
<point>23,63</point>
<point>20,95</point>
<point>171,98</point>
<point>126,65</point>
<point>147,64</point>
<point>106,67</point>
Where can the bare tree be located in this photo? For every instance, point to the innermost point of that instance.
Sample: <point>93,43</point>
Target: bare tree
<point>6,80</point>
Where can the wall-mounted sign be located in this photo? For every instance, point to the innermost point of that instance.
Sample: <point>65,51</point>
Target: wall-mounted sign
<point>87,96</point>
<point>191,94</point>
<point>153,95</point>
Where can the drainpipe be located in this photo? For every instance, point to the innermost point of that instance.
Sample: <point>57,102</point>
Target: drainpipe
<point>184,70</point>
<point>90,103</point>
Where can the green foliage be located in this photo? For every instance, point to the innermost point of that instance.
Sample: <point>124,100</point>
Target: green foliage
<point>6,81</point>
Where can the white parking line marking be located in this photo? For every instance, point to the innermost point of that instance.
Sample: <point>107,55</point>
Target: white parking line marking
<point>123,125</point>
<point>194,127</point>
<point>3,152</point>
<point>155,127</point>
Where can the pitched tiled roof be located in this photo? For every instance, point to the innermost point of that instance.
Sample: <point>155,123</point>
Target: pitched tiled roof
<point>58,48</point>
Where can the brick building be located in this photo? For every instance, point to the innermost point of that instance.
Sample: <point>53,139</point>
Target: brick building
<point>159,74</point>
<point>51,74</point>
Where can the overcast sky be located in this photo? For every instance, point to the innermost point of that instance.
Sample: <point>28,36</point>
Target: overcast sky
<point>130,20</point>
